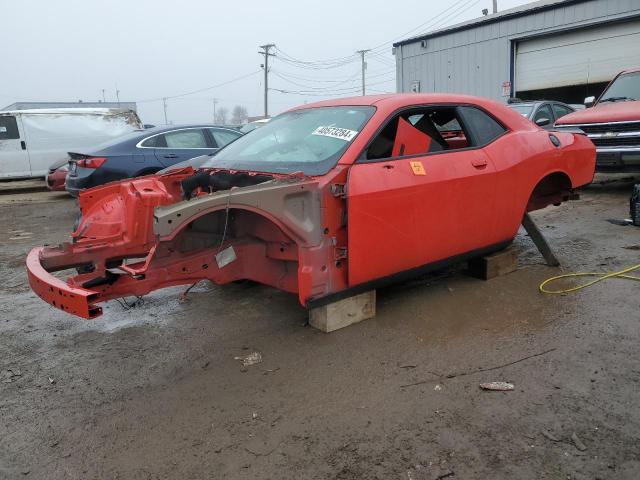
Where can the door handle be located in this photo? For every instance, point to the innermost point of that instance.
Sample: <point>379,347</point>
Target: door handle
<point>23,144</point>
<point>479,162</point>
<point>171,155</point>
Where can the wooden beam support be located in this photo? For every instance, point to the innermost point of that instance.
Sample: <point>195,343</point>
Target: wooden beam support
<point>343,313</point>
<point>494,265</point>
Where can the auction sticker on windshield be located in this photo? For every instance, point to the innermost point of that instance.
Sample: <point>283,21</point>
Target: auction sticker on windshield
<point>335,132</point>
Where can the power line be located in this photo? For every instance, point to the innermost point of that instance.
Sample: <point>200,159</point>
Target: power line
<point>315,64</point>
<point>427,24</point>
<point>445,16</point>
<point>233,80</point>
<point>314,79</point>
<point>339,61</point>
<point>453,16</point>
<point>311,87</point>
<point>336,92</point>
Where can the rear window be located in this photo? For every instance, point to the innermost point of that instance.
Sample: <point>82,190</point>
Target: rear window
<point>8,128</point>
<point>524,110</point>
<point>223,137</point>
<point>156,141</point>
<point>191,138</point>
<point>561,110</point>
<point>484,128</point>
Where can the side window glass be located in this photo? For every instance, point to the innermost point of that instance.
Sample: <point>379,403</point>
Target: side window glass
<point>560,111</point>
<point>419,131</point>
<point>483,128</point>
<point>222,137</point>
<point>191,138</point>
<point>158,142</point>
<point>543,112</point>
<point>8,128</point>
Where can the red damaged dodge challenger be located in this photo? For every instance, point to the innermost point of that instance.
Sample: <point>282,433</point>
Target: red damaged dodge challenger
<point>324,201</point>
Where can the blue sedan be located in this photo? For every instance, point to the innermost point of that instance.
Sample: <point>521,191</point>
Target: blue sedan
<point>143,152</point>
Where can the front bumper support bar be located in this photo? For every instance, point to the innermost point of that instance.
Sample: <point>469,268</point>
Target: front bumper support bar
<point>75,300</point>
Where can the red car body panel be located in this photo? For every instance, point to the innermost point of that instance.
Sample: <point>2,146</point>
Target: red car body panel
<point>604,112</point>
<point>358,224</point>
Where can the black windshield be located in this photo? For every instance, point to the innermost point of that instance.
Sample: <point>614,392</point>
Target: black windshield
<point>310,141</point>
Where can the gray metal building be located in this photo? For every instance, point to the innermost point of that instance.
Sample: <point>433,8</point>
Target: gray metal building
<point>550,49</point>
<point>33,105</point>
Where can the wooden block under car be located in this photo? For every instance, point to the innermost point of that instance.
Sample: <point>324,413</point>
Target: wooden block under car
<point>343,313</point>
<point>494,265</point>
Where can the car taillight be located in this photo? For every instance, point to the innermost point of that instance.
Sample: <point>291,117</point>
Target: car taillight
<point>91,162</point>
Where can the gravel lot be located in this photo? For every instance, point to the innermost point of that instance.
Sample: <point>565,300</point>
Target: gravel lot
<point>156,391</point>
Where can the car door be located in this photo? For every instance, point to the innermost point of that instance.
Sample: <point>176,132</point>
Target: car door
<point>14,156</point>
<point>182,144</point>
<point>407,209</point>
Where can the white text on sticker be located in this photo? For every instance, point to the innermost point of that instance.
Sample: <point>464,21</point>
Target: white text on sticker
<point>335,132</point>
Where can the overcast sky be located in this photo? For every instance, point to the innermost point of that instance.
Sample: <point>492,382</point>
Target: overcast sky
<point>65,50</point>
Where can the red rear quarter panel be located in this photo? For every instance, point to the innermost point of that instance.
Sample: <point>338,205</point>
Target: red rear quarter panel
<point>524,158</point>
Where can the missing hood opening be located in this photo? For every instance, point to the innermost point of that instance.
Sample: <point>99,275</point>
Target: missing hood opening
<point>220,181</point>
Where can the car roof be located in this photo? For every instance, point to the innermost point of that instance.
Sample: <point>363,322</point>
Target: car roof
<point>389,103</point>
<point>399,100</point>
<point>535,102</point>
<point>168,128</point>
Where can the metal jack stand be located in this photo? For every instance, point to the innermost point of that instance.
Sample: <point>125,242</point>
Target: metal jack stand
<point>539,241</point>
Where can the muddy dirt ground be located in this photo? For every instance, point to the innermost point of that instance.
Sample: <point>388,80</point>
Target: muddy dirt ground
<point>155,391</point>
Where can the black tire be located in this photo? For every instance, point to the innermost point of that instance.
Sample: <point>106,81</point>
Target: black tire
<point>634,205</point>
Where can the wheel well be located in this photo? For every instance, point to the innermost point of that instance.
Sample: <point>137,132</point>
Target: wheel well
<point>270,255</point>
<point>552,189</point>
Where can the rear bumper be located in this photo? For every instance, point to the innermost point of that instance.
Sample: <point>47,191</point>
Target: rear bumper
<point>74,300</point>
<point>81,180</point>
<point>618,159</point>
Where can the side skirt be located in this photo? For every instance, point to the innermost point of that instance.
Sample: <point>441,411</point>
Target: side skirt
<point>405,275</point>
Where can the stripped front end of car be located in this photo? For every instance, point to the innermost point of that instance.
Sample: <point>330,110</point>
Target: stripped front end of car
<point>144,234</point>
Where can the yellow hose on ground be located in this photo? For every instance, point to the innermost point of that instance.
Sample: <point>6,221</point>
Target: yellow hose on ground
<point>601,276</point>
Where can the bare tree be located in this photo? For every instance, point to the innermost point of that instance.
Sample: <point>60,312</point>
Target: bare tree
<point>221,116</point>
<point>239,115</point>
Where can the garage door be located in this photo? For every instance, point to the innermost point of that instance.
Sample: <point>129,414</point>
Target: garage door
<point>584,56</point>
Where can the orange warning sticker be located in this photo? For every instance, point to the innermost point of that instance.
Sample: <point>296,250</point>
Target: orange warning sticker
<point>418,168</point>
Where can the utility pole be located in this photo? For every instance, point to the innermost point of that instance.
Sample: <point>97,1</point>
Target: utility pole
<point>118,95</point>
<point>215,102</point>
<point>164,104</point>
<point>103,97</point>
<point>495,6</point>
<point>364,67</point>
<point>265,52</point>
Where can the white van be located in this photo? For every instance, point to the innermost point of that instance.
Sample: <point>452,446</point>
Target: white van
<point>31,140</point>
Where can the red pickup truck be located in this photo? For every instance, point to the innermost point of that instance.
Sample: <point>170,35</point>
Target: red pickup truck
<point>612,123</point>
